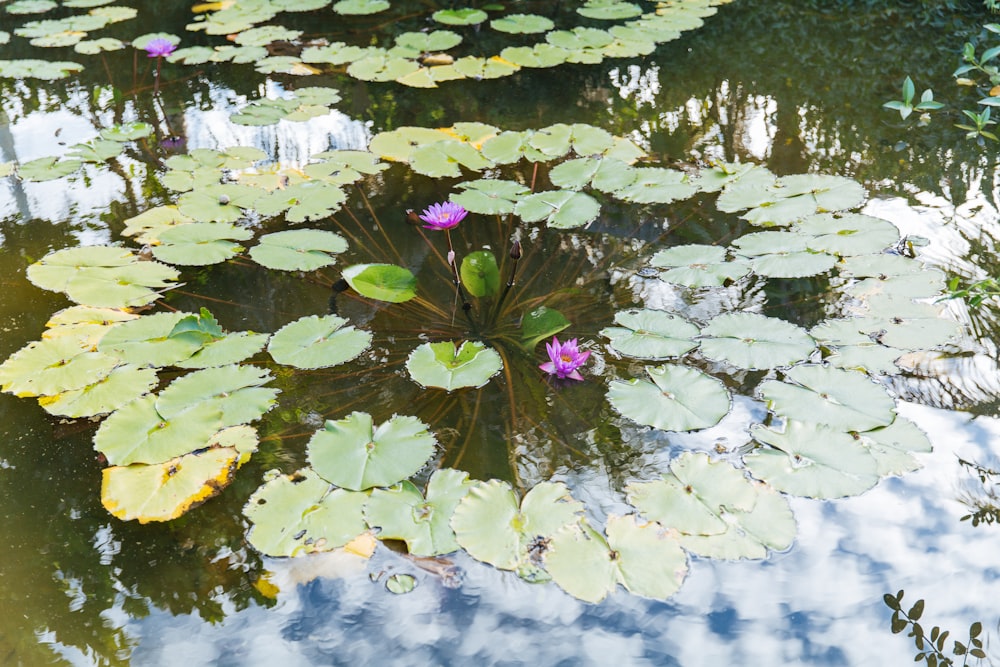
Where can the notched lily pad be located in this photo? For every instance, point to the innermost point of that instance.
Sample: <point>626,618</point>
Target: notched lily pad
<point>318,342</point>
<point>675,398</point>
<point>651,334</point>
<point>451,366</point>
<point>298,249</point>
<point>755,342</point>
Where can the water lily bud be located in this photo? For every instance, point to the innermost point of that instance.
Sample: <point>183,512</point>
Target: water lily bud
<point>412,217</point>
<point>451,257</point>
<point>515,250</point>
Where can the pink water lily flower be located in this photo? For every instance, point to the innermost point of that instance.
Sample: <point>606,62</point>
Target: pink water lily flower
<point>159,48</point>
<point>564,359</point>
<point>443,216</point>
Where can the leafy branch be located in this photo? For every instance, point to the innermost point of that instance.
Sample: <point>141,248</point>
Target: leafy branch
<point>931,648</point>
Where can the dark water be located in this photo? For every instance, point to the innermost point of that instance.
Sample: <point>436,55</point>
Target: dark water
<point>795,86</point>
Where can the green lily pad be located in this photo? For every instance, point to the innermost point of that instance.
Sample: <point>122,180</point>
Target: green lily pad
<point>490,196</point>
<point>302,513</point>
<point>698,266</point>
<point>562,209</point>
<point>310,200</point>
<point>122,385</point>
<point>127,132</point>
<point>402,513</point>
<point>96,150</point>
<point>642,557</point>
<point>812,460</point>
<point>381,67</point>
<point>352,453</point>
<point>755,342</point>
<point>167,490</point>
<point>538,55</point>
<point>298,249</point>
<point>484,68</point>
<point>232,349</point>
<point>848,234</point>
<point>541,323</point>
<point>151,340</point>
<point>264,35</point>
<point>609,10</point>
<point>234,391</point>
<point>651,334</point>
<point>769,525</point>
<point>677,398</point>
<point>400,584</point>
<point>385,282</point>
<point>463,16</point>
<point>30,68</point>
<point>47,169</point>
<point>318,342</point>
<point>218,202</point>
<point>698,497</point>
<point>480,274</point>
<point>656,185</point>
<point>53,366</point>
<point>491,527</point>
<point>445,158</point>
<point>522,24</point>
<point>200,244</point>
<point>360,7</point>
<point>892,446</point>
<point>30,6</point>
<point>450,366</point>
<point>425,42</point>
<point>844,400</point>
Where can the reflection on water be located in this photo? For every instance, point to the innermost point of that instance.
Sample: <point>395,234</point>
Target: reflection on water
<point>78,587</point>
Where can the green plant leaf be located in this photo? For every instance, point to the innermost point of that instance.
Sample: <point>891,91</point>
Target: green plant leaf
<point>301,513</point>
<point>755,342</point>
<point>490,196</point>
<point>650,334</point>
<point>450,366</point>
<point>200,244</point>
<point>539,324</point>
<point>562,209</point>
<point>122,385</point>
<point>402,513</point>
<point>298,249</point>
<point>522,24</point>
<point>812,460</point>
<point>147,341</point>
<point>385,282</point>
<point>462,16</point>
<point>352,453</point>
<point>480,273</point>
<point>318,342</point>
<point>235,392</point>
<point>54,366</point>
<point>675,398</point>
<point>844,400</point>
<point>698,266</point>
<point>656,185</point>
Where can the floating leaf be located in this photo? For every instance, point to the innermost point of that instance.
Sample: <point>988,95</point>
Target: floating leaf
<point>541,323</point>
<point>562,209</point>
<point>841,399</point>
<point>122,385</point>
<point>491,528</point>
<point>165,491</point>
<point>755,342</point>
<point>385,282</point>
<point>301,513</point>
<point>444,158</point>
<point>147,341</point>
<point>200,244</point>
<point>656,185</point>
<point>232,349</point>
<point>425,42</point>
<point>812,460</point>
<point>463,16</point>
<point>651,334</point>
<point>47,169</point>
<point>480,273</point>
<point>698,266</point>
<point>400,584</point>
<point>696,496</point>
<point>677,399</point>
<point>318,342</point>
<point>96,150</point>
<point>450,366</point>
<point>54,366</point>
<point>310,200</point>
<point>234,391</point>
<point>402,513</point>
<point>769,525</point>
<point>360,7</point>
<point>847,234</point>
<point>522,24</point>
<point>352,453</point>
<point>30,68</point>
<point>490,196</point>
<point>298,249</point>
<point>609,10</point>
<point>127,132</point>
<point>891,446</point>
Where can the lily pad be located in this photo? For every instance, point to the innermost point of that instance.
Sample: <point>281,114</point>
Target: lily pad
<point>892,446</point>
<point>522,24</point>
<point>355,455</point>
<point>234,391</point>
<point>384,282</point>
<point>54,366</point>
<point>490,196</point>
<point>769,525</point>
<point>151,340</point>
<point>165,491</point>
<point>642,557</point>
<point>651,334</point>
<point>656,185</point>
<point>302,513</point>
<point>232,349</point>
<point>491,527</point>
<point>847,234</point>
<point>561,209</point>
<point>698,266</point>
<point>122,385</point>
<point>541,323</point>
<point>402,512</point>
<point>200,244</point>
<point>844,400</point>
<point>360,7</point>
<point>462,16</point>
<point>812,460</point>
<point>675,398</point>
<point>755,342</point>
<point>47,169</point>
<point>318,342</point>
<point>450,366</point>
<point>298,249</point>
<point>480,274</point>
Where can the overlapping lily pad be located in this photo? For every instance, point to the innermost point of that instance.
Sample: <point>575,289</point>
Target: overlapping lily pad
<point>755,342</point>
<point>844,400</point>
<point>354,454</point>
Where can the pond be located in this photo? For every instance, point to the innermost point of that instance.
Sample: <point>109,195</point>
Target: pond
<point>682,386</point>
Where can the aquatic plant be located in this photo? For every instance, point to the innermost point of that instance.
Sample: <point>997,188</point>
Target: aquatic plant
<point>565,359</point>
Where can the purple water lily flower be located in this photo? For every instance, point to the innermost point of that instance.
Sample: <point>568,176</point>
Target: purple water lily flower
<point>159,48</point>
<point>565,359</point>
<point>443,216</point>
